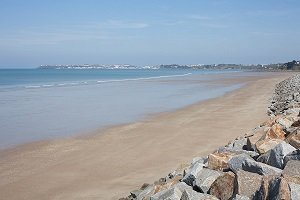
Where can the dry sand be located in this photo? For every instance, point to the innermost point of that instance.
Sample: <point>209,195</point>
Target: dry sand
<point>122,158</point>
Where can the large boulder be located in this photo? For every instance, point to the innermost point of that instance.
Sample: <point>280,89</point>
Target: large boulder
<point>236,162</point>
<point>247,183</point>
<point>273,187</point>
<point>292,171</point>
<point>223,186</point>
<point>276,132</point>
<point>294,139</point>
<point>227,150</point>
<point>202,160</point>
<point>179,171</point>
<point>162,184</point>
<point>182,186</point>
<point>171,194</point>
<point>263,192</point>
<point>240,197</point>
<point>205,179</point>
<point>219,160</point>
<point>295,191</point>
<point>265,145</point>
<point>275,156</point>
<point>295,155</point>
<point>190,194</point>
<point>244,162</point>
<point>192,173</point>
<point>259,168</point>
<point>238,144</point>
<point>146,192</point>
<point>285,122</point>
<point>279,189</point>
<point>251,141</point>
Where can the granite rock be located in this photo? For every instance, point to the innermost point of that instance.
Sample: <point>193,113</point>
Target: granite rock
<point>251,141</point>
<point>295,191</point>
<point>259,168</point>
<point>265,145</point>
<point>247,183</point>
<point>294,139</point>
<point>236,162</point>
<point>205,178</point>
<point>192,173</point>
<point>292,171</point>
<point>190,194</point>
<point>295,155</point>
<point>223,186</point>
<point>219,160</point>
<point>170,194</point>
<point>279,189</point>
<point>275,156</point>
<point>240,197</point>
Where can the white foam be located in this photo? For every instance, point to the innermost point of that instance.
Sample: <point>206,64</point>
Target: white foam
<point>48,85</point>
<point>146,78</point>
<point>105,81</point>
<point>33,86</point>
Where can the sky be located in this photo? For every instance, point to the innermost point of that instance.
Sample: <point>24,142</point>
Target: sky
<point>148,32</point>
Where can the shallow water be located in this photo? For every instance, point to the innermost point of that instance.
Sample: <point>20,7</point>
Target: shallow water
<point>46,104</point>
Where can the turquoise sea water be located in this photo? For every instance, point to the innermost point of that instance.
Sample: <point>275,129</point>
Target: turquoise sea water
<point>40,104</point>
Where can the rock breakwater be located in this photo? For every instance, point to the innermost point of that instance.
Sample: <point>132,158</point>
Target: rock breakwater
<point>262,164</point>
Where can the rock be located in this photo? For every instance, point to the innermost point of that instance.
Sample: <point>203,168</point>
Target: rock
<point>276,132</point>
<point>292,171</point>
<point>190,194</point>
<point>199,159</point>
<point>275,156</point>
<point>135,193</point>
<point>279,189</point>
<point>170,194</point>
<point>219,160</point>
<point>273,187</point>
<point>205,178</point>
<point>223,186</point>
<point>161,185</point>
<point>180,171</point>
<point>285,122</point>
<point>251,141</point>
<point>239,197</point>
<point>259,168</point>
<point>236,162</point>
<point>239,144</point>
<point>252,154</point>
<point>146,192</point>
<point>192,173</point>
<point>263,192</point>
<point>182,186</point>
<point>265,145</point>
<point>295,155</point>
<point>294,139</point>
<point>295,191</point>
<point>247,183</point>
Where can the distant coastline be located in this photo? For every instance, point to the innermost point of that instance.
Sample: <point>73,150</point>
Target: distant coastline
<point>292,65</point>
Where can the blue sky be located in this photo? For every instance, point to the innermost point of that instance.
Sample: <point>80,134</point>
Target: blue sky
<point>145,32</point>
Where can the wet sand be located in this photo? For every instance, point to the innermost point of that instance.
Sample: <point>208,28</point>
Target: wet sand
<point>111,163</point>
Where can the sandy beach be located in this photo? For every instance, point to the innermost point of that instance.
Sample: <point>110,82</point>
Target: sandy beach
<point>111,163</point>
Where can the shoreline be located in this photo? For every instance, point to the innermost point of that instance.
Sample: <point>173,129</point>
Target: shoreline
<point>122,156</point>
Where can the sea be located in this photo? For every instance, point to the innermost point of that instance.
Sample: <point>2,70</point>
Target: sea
<point>42,104</point>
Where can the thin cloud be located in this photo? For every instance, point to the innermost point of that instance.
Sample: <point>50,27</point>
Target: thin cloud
<point>214,25</point>
<point>119,24</point>
<point>82,32</point>
<point>198,17</point>
<point>267,13</point>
